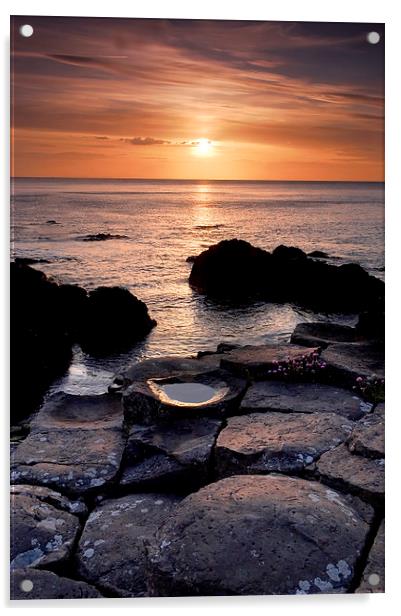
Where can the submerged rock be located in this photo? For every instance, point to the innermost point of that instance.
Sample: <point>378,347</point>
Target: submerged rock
<point>277,442</point>
<point>235,269</point>
<point>75,444</point>
<point>323,334</point>
<point>353,473</point>
<point>102,237</point>
<point>254,535</point>
<point>302,398</point>
<point>111,551</point>
<point>43,530</point>
<point>42,584</point>
<point>374,573</point>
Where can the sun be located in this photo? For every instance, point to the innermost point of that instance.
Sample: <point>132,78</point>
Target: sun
<point>203,147</point>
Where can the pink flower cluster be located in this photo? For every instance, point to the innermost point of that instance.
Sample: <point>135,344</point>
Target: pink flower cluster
<point>305,367</point>
<point>371,388</point>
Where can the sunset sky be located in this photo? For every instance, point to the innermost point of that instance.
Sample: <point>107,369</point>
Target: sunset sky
<point>197,99</point>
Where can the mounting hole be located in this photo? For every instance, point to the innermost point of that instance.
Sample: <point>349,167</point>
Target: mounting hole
<point>26,30</point>
<point>374,579</point>
<point>373,38</point>
<point>26,585</point>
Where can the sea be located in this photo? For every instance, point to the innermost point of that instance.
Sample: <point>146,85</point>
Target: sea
<point>161,223</point>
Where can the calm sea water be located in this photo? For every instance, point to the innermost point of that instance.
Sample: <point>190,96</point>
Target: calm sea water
<point>165,221</point>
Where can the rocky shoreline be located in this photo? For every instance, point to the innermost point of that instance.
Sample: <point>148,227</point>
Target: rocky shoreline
<point>130,494</point>
<point>273,454</point>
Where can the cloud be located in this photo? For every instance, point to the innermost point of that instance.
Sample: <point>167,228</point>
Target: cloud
<point>145,141</point>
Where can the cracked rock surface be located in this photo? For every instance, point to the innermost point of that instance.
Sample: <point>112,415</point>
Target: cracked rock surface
<point>266,442</point>
<point>41,584</point>
<point>373,574</point>
<point>75,444</point>
<point>257,535</point>
<point>302,398</point>
<point>43,527</point>
<point>111,551</point>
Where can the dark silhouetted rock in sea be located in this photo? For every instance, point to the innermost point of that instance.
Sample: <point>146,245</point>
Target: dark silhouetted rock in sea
<point>113,320</point>
<point>234,269</point>
<point>318,254</point>
<point>52,222</point>
<point>47,318</point>
<point>101,237</point>
<point>28,261</point>
<point>190,259</point>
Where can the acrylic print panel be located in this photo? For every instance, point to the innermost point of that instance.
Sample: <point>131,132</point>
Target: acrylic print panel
<point>198,294</point>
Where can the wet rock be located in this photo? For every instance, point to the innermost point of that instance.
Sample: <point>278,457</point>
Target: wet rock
<point>254,361</point>
<point>127,316</point>
<point>251,535</point>
<point>302,398</point>
<point>352,473</point>
<point>374,574</point>
<point>323,334</point>
<point>367,438</point>
<point>75,444</point>
<point>234,269</point>
<point>148,401</point>
<point>111,551</point>
<point>43,530</point>
<point>277,442</point>
<point>41,584</point>
<point>345,362</point>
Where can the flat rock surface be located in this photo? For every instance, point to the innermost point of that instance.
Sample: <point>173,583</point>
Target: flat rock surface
<point>254,361</point>
<point>111,550</point>
<point>353,473</point>
<point>257,534</point>
<point>302,398</point>
<point>41,584</point>
<point>322,334</point>
<point>43,530</point>
<point>367,438</point>
<point>266,442</point>
<point>348,361</point>
<point>156,472</point>
<point>373,575</point>
<point>161,368</point>
<point>75,444</point>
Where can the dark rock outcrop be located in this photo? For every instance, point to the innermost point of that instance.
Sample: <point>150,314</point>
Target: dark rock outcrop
<point>318,254</point>
<point>113,320</point>
<point>237,270</point>
<point>102,237</point>
<point>346,362</point>
<point>253,535</point>
<point>323,334</point>
<point>47,318</point>
<point>42,584</point>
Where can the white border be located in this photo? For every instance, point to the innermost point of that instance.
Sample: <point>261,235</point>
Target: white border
<point>290,10</point>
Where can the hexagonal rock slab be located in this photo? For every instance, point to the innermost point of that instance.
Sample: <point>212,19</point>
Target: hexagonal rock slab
<point>111,550</point>
<point>254,361</point>
<point>42,529</point>
<point>35,584</point>
<point>75,444</point>
<point>352,473</point>
<point>251,535</point>
<point>176,452</point>
<point>302,398</point>
<point>145,402</point>
<point>345,362</point>
<point>373,575</point>
<point>322,334</point>
<point>367,438</point>
<point>282,442</point>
